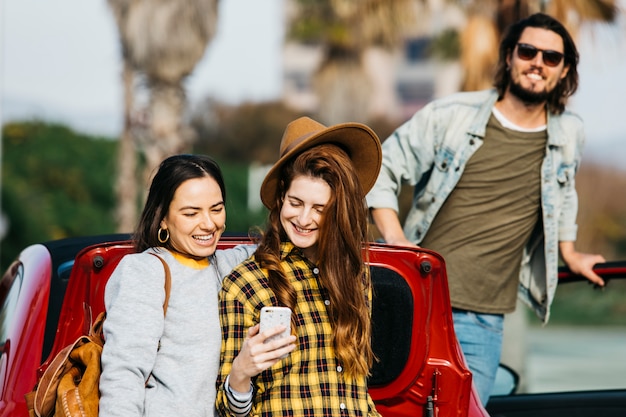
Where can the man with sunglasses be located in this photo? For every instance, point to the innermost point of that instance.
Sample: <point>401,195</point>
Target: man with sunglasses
<point>494,193</point>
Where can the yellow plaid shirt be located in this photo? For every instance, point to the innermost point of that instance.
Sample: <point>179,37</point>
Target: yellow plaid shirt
<point>309,382</point>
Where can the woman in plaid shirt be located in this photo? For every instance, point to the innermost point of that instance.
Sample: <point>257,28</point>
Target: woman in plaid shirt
<point>309,259</point>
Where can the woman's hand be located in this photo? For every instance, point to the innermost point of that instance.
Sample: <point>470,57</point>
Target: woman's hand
<point>256,356</point>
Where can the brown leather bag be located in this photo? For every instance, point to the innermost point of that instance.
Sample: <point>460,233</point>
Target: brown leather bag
<point>70,385</point>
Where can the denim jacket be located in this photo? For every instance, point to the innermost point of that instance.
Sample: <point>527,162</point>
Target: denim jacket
<point>430,152</point>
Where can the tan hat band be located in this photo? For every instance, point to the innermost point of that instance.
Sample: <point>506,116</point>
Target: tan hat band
<point>295,143</point>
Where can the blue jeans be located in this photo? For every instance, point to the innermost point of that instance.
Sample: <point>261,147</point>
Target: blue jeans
<point>480,337</point>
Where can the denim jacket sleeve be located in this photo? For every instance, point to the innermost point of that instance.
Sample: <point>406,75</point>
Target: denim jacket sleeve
<point>571,136</point>
<point>407,156</point>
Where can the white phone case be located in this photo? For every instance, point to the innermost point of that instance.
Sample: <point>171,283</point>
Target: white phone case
<point>274,316</point>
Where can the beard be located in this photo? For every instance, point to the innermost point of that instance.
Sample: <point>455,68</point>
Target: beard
<point>528,96</point>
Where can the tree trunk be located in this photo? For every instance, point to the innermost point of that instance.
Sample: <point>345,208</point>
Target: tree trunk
<point>165,138</point>
<point>344,88</point>
<point>126,182</point>
<point>479,52</point>
<point>380,65</point>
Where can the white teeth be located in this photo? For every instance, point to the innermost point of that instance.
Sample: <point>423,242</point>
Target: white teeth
<point>209,237</point>
<point>301,230</point>
<point>534,76</point>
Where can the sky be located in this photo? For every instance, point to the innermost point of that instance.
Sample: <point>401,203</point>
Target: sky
<point>60,60</point>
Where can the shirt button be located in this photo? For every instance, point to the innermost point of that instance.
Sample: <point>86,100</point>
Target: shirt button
<point>327,302</point>
<point>316,271</point>
<point>339,368</point>
<point>342,406</point>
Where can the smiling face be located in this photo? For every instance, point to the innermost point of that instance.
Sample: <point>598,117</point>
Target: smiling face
<point>196,217</point>
<point>302,212</point>
<point>532,80</point>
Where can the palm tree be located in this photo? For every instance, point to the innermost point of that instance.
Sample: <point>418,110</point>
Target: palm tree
<point>349,32</point>
<point>162,41</point>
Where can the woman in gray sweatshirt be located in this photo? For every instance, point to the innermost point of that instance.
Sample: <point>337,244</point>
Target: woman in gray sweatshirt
<point>156,365</point>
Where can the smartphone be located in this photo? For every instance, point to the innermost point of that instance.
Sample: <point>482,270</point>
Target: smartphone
<point>274,316</point>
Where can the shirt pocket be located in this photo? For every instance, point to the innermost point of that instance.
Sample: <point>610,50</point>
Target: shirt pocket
<point>443,159</point>
<point>437,178</point>
<point>565,174</point>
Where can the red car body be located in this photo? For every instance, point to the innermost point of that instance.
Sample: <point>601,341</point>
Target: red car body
<point>421,371</point>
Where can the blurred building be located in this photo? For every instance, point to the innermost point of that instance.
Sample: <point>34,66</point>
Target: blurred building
<point>404,81</point>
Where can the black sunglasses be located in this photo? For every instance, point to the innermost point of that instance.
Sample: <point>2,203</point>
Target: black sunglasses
<point>528,52</point>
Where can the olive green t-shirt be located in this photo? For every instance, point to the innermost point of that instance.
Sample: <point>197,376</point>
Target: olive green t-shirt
<point>486,221</point>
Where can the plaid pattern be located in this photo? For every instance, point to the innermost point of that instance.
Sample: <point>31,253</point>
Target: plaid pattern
<point>310,381</point>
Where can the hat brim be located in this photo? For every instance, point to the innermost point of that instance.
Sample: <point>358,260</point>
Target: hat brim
<point>359,141</point>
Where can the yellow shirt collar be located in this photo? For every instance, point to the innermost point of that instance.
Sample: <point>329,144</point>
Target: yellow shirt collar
<point>190,262</point>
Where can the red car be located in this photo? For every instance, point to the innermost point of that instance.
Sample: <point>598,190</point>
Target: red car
<point>50,294</point>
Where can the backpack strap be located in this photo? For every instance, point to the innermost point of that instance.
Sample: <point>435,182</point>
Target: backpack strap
<point>168,282</point>
<point>95,331</point>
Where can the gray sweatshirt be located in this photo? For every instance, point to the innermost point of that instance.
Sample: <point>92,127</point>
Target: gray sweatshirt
<point>181,373</point>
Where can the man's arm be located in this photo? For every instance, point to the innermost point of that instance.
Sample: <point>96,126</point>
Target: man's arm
<point>581,263</point>
<point>389,226</point>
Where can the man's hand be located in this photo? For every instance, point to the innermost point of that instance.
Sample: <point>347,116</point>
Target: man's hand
<point>388,224</point>
<point>581,263</point>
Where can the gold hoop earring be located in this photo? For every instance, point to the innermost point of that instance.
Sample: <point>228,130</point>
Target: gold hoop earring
<point>224,228</point>
<point>160,233</point>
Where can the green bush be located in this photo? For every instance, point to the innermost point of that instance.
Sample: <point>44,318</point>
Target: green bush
<point>55,184</point>
<point>239,219</point>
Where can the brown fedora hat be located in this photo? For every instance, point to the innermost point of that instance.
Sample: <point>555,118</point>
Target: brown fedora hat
<point>358,140</point>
